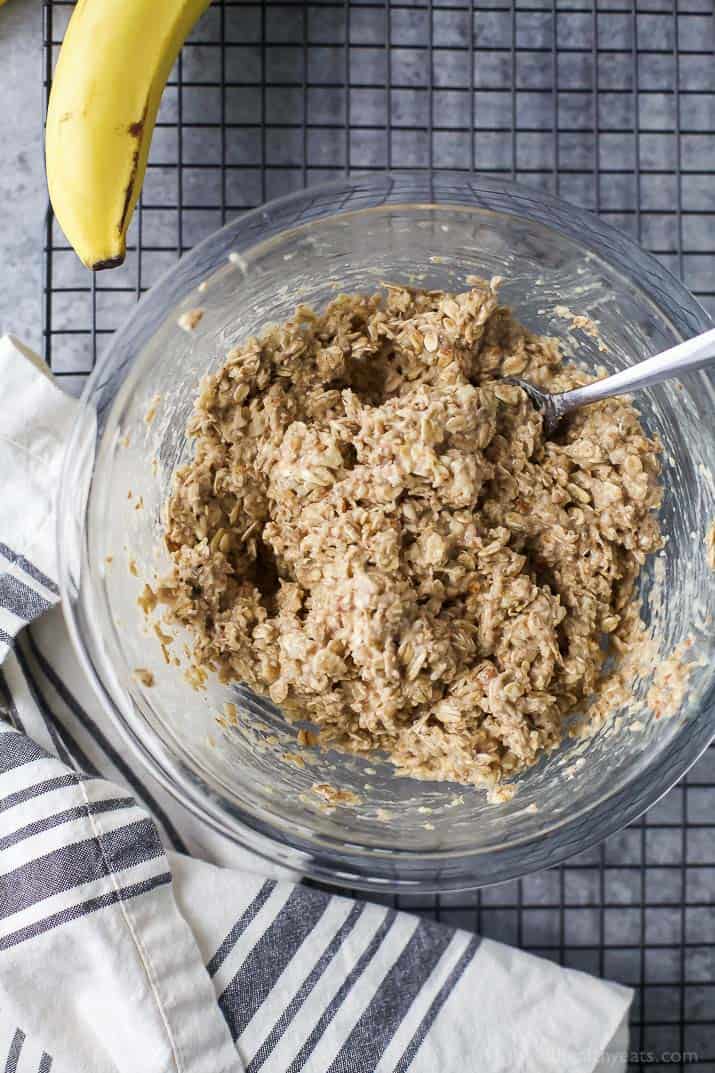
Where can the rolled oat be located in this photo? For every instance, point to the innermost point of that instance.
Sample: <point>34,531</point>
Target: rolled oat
<point>374,532</point>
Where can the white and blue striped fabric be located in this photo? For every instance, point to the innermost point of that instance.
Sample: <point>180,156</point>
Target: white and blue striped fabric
<point>134,939</point>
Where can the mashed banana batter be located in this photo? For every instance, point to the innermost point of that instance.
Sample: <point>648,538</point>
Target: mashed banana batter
<point>375,533</point>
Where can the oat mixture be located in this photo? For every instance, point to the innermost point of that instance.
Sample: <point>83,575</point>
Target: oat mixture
<point>375,533</point>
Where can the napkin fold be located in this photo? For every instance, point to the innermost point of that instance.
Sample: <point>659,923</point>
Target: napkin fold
<point>134,938</point>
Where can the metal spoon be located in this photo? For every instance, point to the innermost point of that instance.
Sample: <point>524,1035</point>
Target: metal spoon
<point>685,357</point>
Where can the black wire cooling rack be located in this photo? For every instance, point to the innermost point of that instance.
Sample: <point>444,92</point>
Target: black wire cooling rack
<point>611,106</point>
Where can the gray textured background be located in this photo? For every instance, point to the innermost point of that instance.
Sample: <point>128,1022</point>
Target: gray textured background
<point>22,180</point>
<point>355,93</point>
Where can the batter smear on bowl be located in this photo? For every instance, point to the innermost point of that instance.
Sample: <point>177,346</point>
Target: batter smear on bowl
<point>374,532</point>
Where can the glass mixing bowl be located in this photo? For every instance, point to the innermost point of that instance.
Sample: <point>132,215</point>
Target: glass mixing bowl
<point>397,834</point>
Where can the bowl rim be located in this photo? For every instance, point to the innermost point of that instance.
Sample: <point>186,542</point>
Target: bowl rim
<point>350,865</point>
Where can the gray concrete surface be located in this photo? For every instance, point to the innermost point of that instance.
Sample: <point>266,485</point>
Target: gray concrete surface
<point>22,177</point>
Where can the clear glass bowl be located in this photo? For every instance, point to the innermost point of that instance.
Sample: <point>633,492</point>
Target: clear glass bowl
<point>402,835</point>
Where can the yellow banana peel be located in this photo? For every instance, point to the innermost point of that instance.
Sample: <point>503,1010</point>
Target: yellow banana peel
<point>113,65</point>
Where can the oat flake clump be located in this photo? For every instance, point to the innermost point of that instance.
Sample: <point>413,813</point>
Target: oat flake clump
<point>374,532</point>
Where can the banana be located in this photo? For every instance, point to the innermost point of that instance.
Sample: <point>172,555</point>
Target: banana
<point>113,65</point>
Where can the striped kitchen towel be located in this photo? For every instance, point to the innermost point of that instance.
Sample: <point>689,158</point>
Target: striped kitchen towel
<point>133,938</point>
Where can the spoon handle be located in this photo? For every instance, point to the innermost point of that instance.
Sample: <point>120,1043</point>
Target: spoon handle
<point>685,357</point>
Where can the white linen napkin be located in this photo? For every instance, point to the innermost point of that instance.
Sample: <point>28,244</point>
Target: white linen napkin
<point>134,938</point>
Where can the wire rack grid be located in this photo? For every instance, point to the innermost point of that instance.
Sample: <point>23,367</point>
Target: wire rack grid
<point>608,103</point>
